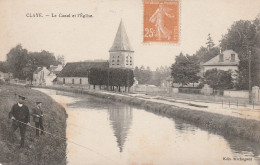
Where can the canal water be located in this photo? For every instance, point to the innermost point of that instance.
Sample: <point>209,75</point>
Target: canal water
<point>111,133</point>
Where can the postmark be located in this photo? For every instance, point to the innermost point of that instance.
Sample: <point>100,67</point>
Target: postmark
<point>161,21</point>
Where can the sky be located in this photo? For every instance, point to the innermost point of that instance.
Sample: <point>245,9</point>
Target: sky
<point>80,39</point>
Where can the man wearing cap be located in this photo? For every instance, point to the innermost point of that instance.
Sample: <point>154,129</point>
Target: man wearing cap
<point>37,117</point>
<point>21,116</point>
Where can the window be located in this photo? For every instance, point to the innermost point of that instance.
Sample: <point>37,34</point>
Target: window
<point>117,60</point>
<point>221,58</point>
<point>233,57</point>
<point>63,80</point>
<point>73,81</point>
<point>113,56</point>
<point>113,60</point>
<point>80,81</point>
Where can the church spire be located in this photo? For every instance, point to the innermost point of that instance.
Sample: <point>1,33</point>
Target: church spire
<point>121,42</point>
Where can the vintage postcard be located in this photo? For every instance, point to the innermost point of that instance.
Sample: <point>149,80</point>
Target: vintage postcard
<point>130,82</point>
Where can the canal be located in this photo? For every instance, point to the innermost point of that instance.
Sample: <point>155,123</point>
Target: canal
<point>107,132</point>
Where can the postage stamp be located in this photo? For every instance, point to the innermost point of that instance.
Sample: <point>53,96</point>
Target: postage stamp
<point>161,21</point>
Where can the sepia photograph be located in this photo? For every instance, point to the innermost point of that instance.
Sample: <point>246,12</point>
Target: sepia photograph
<point>130,82</point>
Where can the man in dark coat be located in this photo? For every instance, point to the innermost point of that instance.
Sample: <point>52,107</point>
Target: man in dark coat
<point>38,118</point>
<point>21,116</point>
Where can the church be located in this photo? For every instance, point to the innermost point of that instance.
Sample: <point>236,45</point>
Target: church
<point>121,55</point>
<point>121,52</point>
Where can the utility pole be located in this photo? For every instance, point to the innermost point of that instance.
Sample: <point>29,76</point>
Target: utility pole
<point>249,76</point>
<point>108,79</point>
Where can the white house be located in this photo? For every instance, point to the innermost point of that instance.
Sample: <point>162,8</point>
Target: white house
<point>228,60</point>
<point>40,75</point>
<point>55,69</point>
<point>76,73</point>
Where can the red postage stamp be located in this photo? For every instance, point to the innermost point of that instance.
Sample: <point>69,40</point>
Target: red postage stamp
<point>161,21</point>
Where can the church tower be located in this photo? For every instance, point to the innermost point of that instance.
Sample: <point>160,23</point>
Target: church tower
<point>121,53</point>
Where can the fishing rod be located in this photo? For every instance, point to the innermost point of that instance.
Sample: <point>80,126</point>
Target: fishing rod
<point>70,141</point>
<point>71,124</point>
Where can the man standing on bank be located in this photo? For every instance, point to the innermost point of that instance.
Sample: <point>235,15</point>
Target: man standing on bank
<point>21,116</point>
<point>38,117</point>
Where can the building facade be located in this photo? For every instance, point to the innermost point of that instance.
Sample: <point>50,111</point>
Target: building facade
<point>228,60</point>
<point>76,73</point>
<point>40,76</point>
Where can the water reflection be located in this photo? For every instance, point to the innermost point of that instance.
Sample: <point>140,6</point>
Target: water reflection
<point>120,118</point>
<point>131,135</point>
<point>182,127</point>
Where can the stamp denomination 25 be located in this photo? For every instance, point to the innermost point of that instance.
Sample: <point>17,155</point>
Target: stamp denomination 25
<point>161,21</point>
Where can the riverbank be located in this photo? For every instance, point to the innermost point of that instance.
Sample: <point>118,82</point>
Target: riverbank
<point>225,125</point>
<point>43,150</point>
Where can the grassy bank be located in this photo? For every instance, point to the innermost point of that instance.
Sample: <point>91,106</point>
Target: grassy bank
<point>227,126</point>
<point>43,150</point>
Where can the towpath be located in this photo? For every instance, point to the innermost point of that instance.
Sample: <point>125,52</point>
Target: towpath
<point>246,111</point>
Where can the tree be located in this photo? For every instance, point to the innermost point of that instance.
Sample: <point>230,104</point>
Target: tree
<point>185,69</point>
<point>111,77</point>
<point>23,63</point>
<point>243,38</point>
<point>30,67</point>
<point>204,55</point>
<point>218,79</point>
<point>4,67</point>
<point>16,59</point>
<point>210,44</point>
<point>143,75</point>
<point>61,60</point>
<point>44,58</point>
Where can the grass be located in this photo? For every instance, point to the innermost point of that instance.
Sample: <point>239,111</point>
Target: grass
<point>225,125</point>
<point>43,150</point>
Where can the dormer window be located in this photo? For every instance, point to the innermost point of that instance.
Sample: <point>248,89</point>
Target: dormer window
<point>233,57</point>
<point>221,58</point>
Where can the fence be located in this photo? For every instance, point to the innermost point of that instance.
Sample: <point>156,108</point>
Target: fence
<point>226,98</point>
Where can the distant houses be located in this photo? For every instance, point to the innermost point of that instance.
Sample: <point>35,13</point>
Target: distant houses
<point>44,76</point>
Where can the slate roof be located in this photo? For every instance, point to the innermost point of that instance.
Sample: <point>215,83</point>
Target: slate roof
<point>121,42</point>
<point>80,69</point>
<point>52,68</point>
<point>37,70</point>
<point>226,59</point>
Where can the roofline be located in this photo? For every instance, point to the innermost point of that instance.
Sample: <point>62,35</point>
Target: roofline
<point>121,51</point>
<point>221,65</point>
